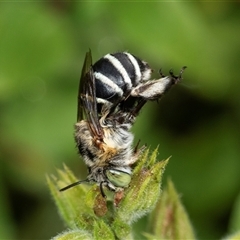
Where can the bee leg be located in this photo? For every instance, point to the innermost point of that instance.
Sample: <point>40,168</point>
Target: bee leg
<point>139,150</point>
<point>136,154</point>
<point>155,89</point>
<point>101,189</point>
<point>139,106</point>
<point>176,79</point>
<point>161,73</point>
<point>136,147</point>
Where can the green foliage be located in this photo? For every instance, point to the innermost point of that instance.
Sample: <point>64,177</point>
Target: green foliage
<point>235,236</point>
<point>73,235</point>
<point>235,218</point>
<point>86,212</point>
<point>169,220</point>
<point>90,216</point>
<point>42,46</point>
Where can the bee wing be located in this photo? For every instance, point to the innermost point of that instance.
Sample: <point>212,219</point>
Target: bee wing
<point>87,104</point>
<point>83,81</point>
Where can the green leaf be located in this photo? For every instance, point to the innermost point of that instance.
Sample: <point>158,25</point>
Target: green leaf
<point>73,235</point>
<point>70,203</point>
<point>102,231</point>
<point>235,236</point>
<point>141,196</point>
<point>84,207</point>
<point>122,230</point>
<point>235,218</point>
<point>169,219</point>
<point>144,191</point>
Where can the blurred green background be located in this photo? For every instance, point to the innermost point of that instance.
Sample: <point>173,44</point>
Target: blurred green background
<point>42,47</point>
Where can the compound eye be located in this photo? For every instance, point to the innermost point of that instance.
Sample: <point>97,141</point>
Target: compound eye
<point>118,178</point>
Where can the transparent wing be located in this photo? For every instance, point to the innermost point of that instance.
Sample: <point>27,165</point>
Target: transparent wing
<point>83,81</point>
<point>87,104</point>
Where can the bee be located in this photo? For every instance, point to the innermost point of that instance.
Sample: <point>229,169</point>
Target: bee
<point>111,94</point>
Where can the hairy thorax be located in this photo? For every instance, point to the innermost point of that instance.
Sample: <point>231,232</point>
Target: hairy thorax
<point>114,148</point>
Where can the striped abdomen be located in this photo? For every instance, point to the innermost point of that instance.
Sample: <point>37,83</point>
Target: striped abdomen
<point>116,74</point>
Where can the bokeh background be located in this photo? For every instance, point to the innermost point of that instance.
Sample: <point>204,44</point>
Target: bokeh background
<point>42,47</point>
